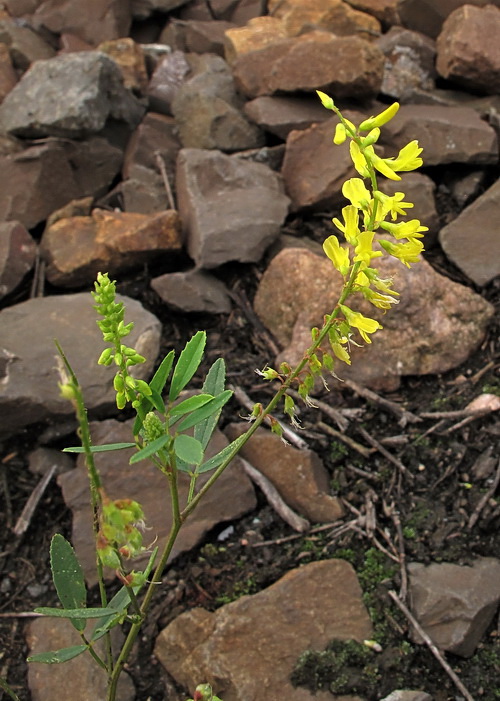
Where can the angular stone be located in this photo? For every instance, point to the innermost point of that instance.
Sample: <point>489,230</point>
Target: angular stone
<point>334,16</point>
<point>156,134</point>
<point>343,66</point>
<point>198,10</point>
<point>85,682</point>
<point>130,59</point>
<point>248,648</point>
<point>167,78</point>
<point>206,110</point>
<point>281,115</point>
<point>94,21</point>
<point>447,134</point>
<point>386,11</point>
<point>409,63</point>
<point>455,604</point>
<point>143,194</point>
<point>17,255</point>
<point>299,475</point>
<point>196,36</point>
<point>25,45</point>
<point>477,256</point>
<point>231,496</point>
<point>427,16</point>
<point>469,50</point>
<point>257,34</point>
<point>231,209</point>
<point>8,76</point>
<point>193,291</point>
<point>72,95</point>
<point>77,248</point>
<point>436,326</point>
<point>313,170</point>
<point>29,376</point>
<point>142,9</point>
<point>406,695</point>
<point>95,163</point>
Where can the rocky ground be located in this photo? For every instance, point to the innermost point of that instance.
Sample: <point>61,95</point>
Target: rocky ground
<point>180,147</point>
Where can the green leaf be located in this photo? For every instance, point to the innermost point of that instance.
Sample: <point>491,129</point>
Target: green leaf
<point>188,363</point>
<point>100,448</point>
<point>161,375</point>
<point>150,449</point>
<point>56,656</point>
<point>68,577</point>
<point>188,449</point>
<point>211,408</point>
<point>218,459</point>
<point>81,614</point>
<point>214,384</point>
<point>189,405</point>
<point>156,386</point>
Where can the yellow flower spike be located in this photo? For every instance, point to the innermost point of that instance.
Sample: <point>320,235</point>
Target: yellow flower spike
<point>383,165</point>
<point>408,158</point>
<point>350,228</point>
<point>340,134</point>
<point>406,252</point>
<point>359,160</point>
<point>371,138</point>
<point>380,119</point>
<point>363,250</point>
<point>362,280</point>
<point>364,324</point>
<point>405,229</point>
<point>379,300</point>
<point>357,193</point>
<point>393,205</point>
<point>337,254</point>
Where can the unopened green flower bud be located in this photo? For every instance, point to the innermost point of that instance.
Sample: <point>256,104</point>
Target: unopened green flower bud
<point>118,383</point>
<point>153,427</point>
<point>106,357</point>
<point>371,138</point>
<point>67,391</point>
<point>121,400</point>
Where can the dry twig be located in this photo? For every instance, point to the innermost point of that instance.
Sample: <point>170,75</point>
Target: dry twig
<point>385,452</point>
<point>484,499</point>
<point>365,452</point>
<point>24,519</point>
<point>404,416</point>
<point>163,170</point>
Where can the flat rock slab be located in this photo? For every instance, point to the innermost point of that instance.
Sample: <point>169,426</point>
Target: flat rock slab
<point>248,648</point>
<point>436,326</point>
<point>231,209</point>
<point>231,497</point>
<point>28,365</point>
<point>455,604</point>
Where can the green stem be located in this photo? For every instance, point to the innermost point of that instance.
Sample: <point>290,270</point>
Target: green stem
<point>94,654</point>
<point>8,690</point>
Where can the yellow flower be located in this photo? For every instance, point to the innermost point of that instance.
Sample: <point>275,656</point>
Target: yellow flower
<point>359,160</point>
<point>357,193</point>
<point>393,205</point>
<point>408,158</point>
<point>337,254</point>
<point>363,250</point>
<point>406,252</point>
<point>350,228</point>
<point>379,300</point>
<point>383,165</point>
<point>364,324</point>
<point>405,229</point>
<point>340,134</point>
<point>380,119</point>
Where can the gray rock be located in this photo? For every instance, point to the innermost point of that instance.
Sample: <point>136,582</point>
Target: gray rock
<point>231,496</point>
<point>447,134</point>
<point>193,291</point>
<point>248,648</point>
<point>95,164</point>
<point>71,95</point>
<point>231,209</point>
<point>28,369</point>
<point>42,460</point>
<point>409,63</point>
<point>170,73</point>
<point>468,48</point>
<point>17,255</point>
<point>25,45</point>
<point>455,604</point>
<point>280,115</point>
<point>206,110</point>
<point>144,194</point>
<point>478,256</point>
<point>196,36</point>
<point>156,134</point>
<point>406,695</point>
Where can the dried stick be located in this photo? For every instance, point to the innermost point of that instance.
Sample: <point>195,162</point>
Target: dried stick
<point>404,416</point>
<point>163,170</point>
<point>24,519</point>
<point>484,499</point>
<point>365,452</point>
<point>385,452</point>
<point>432,647</point>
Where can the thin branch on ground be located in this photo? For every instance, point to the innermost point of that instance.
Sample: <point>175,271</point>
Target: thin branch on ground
<point>404,416</point>
<point>166,182</point>
<point>393,512</point>
<point>376,444</point>
<point>288,538</point>
<point>24,520</point>
<point>361,449</point>
<point>485,499</point>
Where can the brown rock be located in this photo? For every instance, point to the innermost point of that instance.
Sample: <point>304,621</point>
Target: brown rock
<point>157,133</point>
<point>8,76</point>
<point>345,66</point>
<point>167,78</point>
<point>333,15</point>
<point>76,249</point>
<point>95,164</point>
<point>193,291</point>
<point>231,496</point>
<point>299,475</point>
<point>427,16</point>
<point>248,648</point>
<point>129,57</point>
<point>198,10</point>
<point>17,255</point>
<point>409,63</point>
<point>196,36</point>
<point>281,115</point>
<point>257,34</point>
<point>25,45</point>
<point>447,134</point>
<point>386,11</point>
<point>469,50</point>
<point>435,327</point>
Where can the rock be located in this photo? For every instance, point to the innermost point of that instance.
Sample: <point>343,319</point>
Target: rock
<point>477,256</point>
<point>28,369</point>
<point>299,475</point>
<point>386,11</point>
<point>334,16</point>
<point>465,188</point>
<point>41,460</point>
<point>193,291</point>
<point>142,9</point>
<point>436,326</point>
<point>447,134</point>
<point>231,209</point>
<point>77,248</point>
<point>342,66</point>
<point>314,170</point>
<point>167,78</point>
<point>409,63</point>
<point>406,695</point>
<point>257,34</point>
<point>35,182</point>
<point>85,682</point>
<point>8,76</point>
<point>92,88</point>
<point>76,208</point>
<point>281,115</point>
<point>196,36</point>
<point>231,496</point>
<point>427,16</point>
<point>455,604</point>
<point>248,648</point>
<point>93,22</point>
<point>157,133</point>
<point>206,110</point>
<point>17,255</point>
<point>143,194</point>
<point>130,59</point>
<point>25,45</point>
<point>468,48</point>
<point>95,163</point>
<point>198,10</point>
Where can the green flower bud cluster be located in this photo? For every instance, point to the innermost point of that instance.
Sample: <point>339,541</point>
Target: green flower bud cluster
<point>119,534</point>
